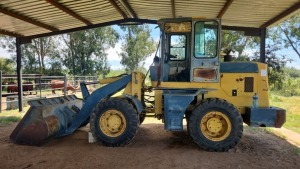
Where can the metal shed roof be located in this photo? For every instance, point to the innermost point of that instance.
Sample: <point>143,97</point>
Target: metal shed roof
<point>37,18</point>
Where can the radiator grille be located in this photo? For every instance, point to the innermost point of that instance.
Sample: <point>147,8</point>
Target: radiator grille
<point>248,87</point>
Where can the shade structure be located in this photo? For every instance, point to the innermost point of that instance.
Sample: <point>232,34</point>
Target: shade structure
<point>38,18</point>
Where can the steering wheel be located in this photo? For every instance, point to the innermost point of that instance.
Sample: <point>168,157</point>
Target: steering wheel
<point>169,56</point>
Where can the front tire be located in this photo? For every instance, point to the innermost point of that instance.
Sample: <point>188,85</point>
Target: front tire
<point>114,122</point>
<point>215,125</point>
<point>142,118</point>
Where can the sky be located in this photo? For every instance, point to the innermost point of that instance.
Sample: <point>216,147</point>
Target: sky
<point>290,54</point>
<point>3,53</point>
<point>114,59</point>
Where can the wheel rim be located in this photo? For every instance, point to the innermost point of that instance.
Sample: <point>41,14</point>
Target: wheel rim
<point>215,126</point>
<point>112,123</point>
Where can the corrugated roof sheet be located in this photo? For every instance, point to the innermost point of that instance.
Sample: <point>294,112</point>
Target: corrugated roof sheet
<point>34,17</point>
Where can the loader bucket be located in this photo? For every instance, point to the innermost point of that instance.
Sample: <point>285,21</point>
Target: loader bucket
<point>46,118</point>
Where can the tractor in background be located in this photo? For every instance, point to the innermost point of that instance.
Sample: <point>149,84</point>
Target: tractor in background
<point>188,82</point>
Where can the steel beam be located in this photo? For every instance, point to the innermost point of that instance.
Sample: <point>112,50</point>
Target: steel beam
<point>9,33</point>
<point>129,9</point>
<point>26,19</point>
<point>248,30</point>
<point>263,45</point>
<point>282,15</point>
<point>224,9</point>
<point>173,8</point>
<point>115,5</point>
<point>19,74</point>
<point>69,11</point>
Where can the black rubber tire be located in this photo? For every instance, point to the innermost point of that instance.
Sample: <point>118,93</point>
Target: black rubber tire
<point>130,114</point>
<point>187,117</point>
<point>142,115</point>
<point>227,109</point>
<point>142,118</point>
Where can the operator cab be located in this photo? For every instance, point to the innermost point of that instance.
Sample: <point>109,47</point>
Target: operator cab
<point>189,51</point>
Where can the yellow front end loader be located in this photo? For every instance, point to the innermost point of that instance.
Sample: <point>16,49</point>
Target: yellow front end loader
<point>187,82</point>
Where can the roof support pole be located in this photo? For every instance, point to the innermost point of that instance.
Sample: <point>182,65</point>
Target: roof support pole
<point>19,74</point>
<point>263,45</point>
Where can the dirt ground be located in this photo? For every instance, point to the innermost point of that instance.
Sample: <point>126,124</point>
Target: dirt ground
<point>152,148</point>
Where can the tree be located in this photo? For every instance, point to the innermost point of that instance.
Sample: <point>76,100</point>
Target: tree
<point>43,47</point>
<point>136,47</point>
<point>33,54</point>
<point>7,66</point>
<point>292,82</point>
<point>54,66</point>
<point>276,64</point>
<point>288,32</point>
<point>83,52</point>
<point>238,42</point>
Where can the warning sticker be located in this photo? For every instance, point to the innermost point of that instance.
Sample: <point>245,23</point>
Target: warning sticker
<point>263,72</point>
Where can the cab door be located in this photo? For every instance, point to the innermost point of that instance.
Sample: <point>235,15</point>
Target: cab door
<point>205,51</point>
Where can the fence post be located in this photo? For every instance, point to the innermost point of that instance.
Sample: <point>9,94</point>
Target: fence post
<point>0,91</point>
<point>40,87</point>
<point>65,85</point>
<point>21,90</point>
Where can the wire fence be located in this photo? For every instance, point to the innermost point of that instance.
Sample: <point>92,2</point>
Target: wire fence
<point>36,86</point>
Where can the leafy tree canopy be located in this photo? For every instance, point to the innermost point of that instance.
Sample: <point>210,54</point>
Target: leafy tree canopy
<point>34,54</point>
<point>288,33</point>
<point>84,52</point>
<point>136,47</point>
<point>238,42</point>
<point>7,66</point>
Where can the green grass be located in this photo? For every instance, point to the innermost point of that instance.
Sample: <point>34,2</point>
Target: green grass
<point>292,107</point>
<point>277,133</point>
<point>5,120</point>
<point>9,116</point>
<point>296,151</point>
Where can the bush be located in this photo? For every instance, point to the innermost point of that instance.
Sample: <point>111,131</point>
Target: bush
<point>291,87</point>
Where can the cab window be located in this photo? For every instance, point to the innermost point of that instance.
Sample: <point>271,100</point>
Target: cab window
<point>178,47</point>
<point>205,39</point>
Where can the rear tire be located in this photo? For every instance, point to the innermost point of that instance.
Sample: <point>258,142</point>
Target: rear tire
<point>114,122</point>
<point>215,125</point>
